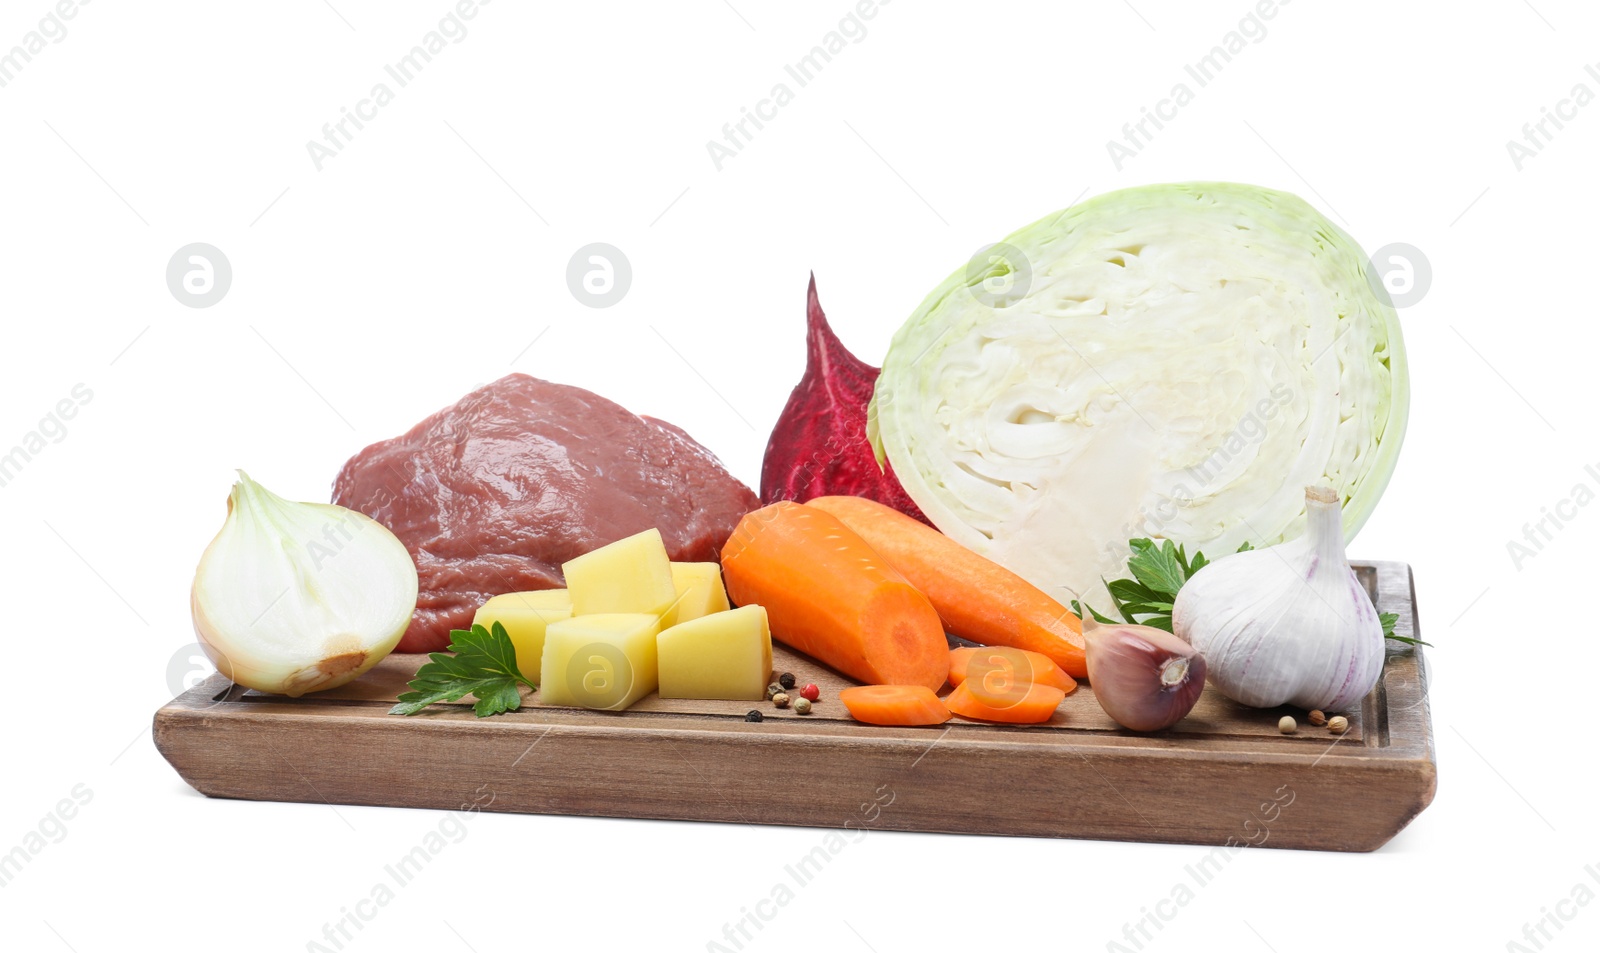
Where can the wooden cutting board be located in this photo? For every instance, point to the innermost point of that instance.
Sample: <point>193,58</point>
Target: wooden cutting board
<point>1223,776</point>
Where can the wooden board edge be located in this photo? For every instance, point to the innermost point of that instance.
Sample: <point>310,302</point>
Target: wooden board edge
<point>1372,798</point>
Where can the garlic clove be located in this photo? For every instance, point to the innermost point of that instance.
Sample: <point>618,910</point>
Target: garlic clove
<point>1290,624</point>
<point>292,598</point>
<point>1146,679</point>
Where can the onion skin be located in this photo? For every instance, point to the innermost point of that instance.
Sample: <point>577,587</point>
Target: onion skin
<point>1127,664</point>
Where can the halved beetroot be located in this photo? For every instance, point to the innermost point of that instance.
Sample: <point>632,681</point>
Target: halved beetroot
<point>819,446</point>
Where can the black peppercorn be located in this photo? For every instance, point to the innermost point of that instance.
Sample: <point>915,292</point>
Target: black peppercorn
<point>786,680</point>
<point>753,715</point>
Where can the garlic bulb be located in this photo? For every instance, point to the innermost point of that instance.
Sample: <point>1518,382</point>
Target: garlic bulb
<point>292,598</point>
<point>1290,624</point>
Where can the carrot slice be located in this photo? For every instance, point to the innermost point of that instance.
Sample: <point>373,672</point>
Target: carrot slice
<point>828,594</point>
<point>1042,671</point>
<point>894,705</point>
<point>1029,707</point>
<point>978,599</point>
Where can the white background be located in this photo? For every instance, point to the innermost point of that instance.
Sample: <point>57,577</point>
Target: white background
<point>426,257</point>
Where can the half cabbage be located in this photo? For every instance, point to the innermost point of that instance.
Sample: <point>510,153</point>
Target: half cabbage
<point>1174,361</point>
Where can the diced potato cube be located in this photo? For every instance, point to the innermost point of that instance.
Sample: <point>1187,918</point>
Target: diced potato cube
<point>700,592</point>
<point>605,661</point>
<point>525,616</point>
<point>629,575</point>
<point>722,655</point>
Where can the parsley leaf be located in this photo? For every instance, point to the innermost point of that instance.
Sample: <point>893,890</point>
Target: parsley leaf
<point>1079,608</point>
<point>1162,569</point>
<point>484,664</point>
<point>1159,571</point>
<point>1389,619</point>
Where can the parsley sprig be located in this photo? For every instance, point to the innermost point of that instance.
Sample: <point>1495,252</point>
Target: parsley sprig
<point>484,664</point>
<point>1159,571</point>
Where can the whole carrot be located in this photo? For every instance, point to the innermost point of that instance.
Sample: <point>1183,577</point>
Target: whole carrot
<point>978,599</point>
<point>828,594</point>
